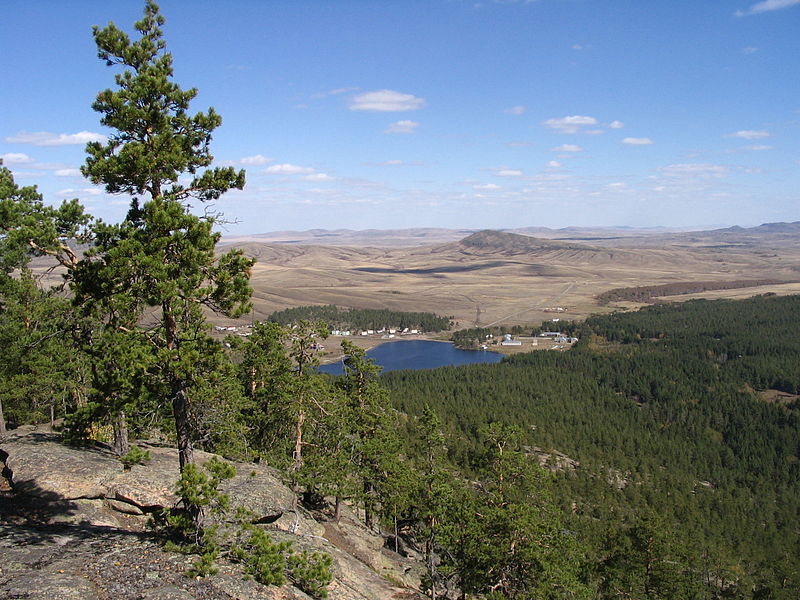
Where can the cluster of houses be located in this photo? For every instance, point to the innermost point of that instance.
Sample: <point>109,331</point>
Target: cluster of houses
<point>556,336</point>
<point>385,333</point>
<point>234,329</point>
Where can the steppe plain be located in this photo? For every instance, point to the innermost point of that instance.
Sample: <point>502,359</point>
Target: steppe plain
<point>511,277</point>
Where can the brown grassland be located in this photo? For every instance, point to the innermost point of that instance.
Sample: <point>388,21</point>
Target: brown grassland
<point>503,278</point>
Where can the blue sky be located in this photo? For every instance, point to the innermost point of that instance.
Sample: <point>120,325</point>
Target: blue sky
<point>442,113</point>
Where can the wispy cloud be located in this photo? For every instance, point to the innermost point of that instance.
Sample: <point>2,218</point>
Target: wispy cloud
<point>766,6</point>
<point>318,177</point>
<point>402,127</point>
<point>568,148</point>
<point>258,159</point>
<point>336,92</point>
<point>486,186</point>
<point>634,141</point>
<point>570,124</point>
<point>749,50</point>
<point>507,172</point>
<point>45,138</point>
<point>72,192</point>
<point>616,125</point>
<point>750,134</point>
<point>288,169</point>
<point>515,110</point>
<point>386,101</point>
<point>694,170</point>
<point>67,173</point>
<point>15,158</point>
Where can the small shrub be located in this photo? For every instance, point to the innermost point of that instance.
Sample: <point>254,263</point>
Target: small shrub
<point>135,456</point>
<point>311,572</point>
<point>262,558</point>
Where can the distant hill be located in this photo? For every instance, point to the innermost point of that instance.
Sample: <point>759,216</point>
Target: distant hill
<point>766,228</point>
<point>514,243</point>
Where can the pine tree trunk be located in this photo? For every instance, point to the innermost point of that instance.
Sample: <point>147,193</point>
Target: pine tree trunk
<point>120,426</point>
<point>368,521</point>
<point>429,560</point>
<point>180,400</point>
<point>337,511</point>
<point>297,453</point>
<point>2,418</point>
<point>180,410</point>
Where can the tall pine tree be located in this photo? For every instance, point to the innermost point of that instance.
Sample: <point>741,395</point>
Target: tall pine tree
<point>162,256</point>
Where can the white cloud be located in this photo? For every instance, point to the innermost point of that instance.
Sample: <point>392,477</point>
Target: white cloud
<point>632,141</point>
<point>554,164</point>
<point>258,159</point>
<point>67,173</point>
<point>402,127</point>
<point>749,50</point>
<point>391,163</point>
<point>335,92</point>
<point>571,124</point>
<point>515,110</point>
<point>757,147</point>
<point>617,186</point>
<point>751,134</point>
<point>288,169</point>
<point>72,192</point>
<point>318,177</point>
<point>766,6</point>
<point>343,90</point>
<point>568,148</point>
<point>616,125</point>
<point>487,186</point>
<point>44,138</point>
<point>15,158</point>
<point>509,173</point>
<point>694,170</point>
<point>577,47</point>
<point>386,101</point>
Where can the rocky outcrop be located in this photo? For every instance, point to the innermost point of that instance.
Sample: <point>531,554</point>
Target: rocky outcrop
<point>73,525</point>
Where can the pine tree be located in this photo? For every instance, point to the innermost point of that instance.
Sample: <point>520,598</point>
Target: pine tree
<point>37,367</point>
<point>162,255</point>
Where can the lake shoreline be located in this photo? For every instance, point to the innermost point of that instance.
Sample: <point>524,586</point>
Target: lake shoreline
<point>420,354</point>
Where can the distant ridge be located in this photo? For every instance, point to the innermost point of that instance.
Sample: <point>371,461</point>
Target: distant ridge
<point>768,228</point>
<point>565,237</point>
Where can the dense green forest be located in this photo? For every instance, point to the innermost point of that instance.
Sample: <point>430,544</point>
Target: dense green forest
<point>662,411</point>
<point>650,293</point>
<point>672,475</point>
<point>362,318</point>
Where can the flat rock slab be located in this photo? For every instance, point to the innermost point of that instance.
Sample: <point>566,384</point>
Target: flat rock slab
<point>41,466</point>
<point>71,529</point>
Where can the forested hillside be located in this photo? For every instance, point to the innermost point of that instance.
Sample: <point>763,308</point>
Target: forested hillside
<point>361,318</point>
<point>663,413</point>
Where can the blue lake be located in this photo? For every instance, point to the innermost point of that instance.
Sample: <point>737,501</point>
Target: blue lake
<point>419,354</point>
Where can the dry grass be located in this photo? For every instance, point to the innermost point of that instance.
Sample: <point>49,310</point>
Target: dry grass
<point>497,285</point>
